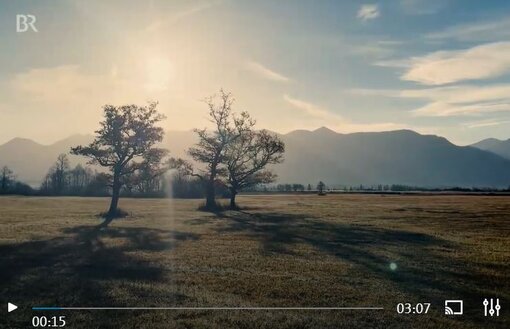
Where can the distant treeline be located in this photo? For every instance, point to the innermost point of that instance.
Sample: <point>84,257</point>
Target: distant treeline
<point>371,188</point>
<point>9,184</point>
<point>62,180</point>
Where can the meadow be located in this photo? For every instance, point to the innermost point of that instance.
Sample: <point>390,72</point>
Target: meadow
<point>277,251</point>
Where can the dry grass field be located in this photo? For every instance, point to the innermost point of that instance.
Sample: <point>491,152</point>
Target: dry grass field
<point>281,250</point>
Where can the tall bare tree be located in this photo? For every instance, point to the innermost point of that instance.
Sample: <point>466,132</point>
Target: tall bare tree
<point>247,157</point>
<point>127,135</point>
<point>211,147</point>
<point>60,173</point>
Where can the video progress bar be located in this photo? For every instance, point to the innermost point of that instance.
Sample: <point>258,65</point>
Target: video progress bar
<point>57,308</point>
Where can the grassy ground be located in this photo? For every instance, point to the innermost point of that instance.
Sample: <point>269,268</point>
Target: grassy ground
<point>286,250</point>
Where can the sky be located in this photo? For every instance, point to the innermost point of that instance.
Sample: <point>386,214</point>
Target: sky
<point>438,67</point>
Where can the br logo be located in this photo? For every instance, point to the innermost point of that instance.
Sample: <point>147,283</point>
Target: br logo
<point>25,22</point>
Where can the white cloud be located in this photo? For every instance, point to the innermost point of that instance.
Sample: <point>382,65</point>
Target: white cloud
<point>440,109</point>
<point>450,94</point>
<point>265,72</point>
<point>69,84</point>
<point>311,109</point>
<point>57,84</point>
<point>460,100</point>
<point>485,123</point>
<point>462,94</point>
<point>480,31</point>
<point>368,12</point>
<point>442,67</point>
<point>52,102</point>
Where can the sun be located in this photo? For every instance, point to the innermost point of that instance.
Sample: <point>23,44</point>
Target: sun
<point>159,73</point>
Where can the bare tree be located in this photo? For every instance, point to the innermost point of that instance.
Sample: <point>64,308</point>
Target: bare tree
<point>247,157</point>
<point>61,173</point>
<point>232,154</point>
<point>127,134</point>
<point>58,179</point>
<point>211,147</point>
<point>6,178</point>
<point>80,177</point>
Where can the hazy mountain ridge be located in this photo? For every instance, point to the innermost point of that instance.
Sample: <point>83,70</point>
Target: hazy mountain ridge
<point>494,145</point>
<point>30,160</point>
<point>401,156</point>
<point>392,157</point>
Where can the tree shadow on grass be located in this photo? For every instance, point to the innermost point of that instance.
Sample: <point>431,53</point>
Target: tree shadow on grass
<point>422,271</point>
<point>85,265</point>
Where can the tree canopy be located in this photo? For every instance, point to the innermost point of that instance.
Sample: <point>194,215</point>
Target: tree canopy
<point>124,143</point>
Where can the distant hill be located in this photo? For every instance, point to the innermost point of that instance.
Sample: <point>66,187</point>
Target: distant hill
<point>402,156</point>
<point>392,157</point>
<point>496,146</point>
<point>30,160</point>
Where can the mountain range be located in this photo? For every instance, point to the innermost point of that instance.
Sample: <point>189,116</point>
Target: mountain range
<point>391,157</point>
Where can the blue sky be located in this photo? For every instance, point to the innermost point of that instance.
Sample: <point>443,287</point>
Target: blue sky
<point>437,67</point>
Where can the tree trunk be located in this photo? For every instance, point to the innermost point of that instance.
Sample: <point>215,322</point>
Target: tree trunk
<point>210,201</point>
<point>115,200</point>
<point>233,194</point>
<point>112,211</point>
